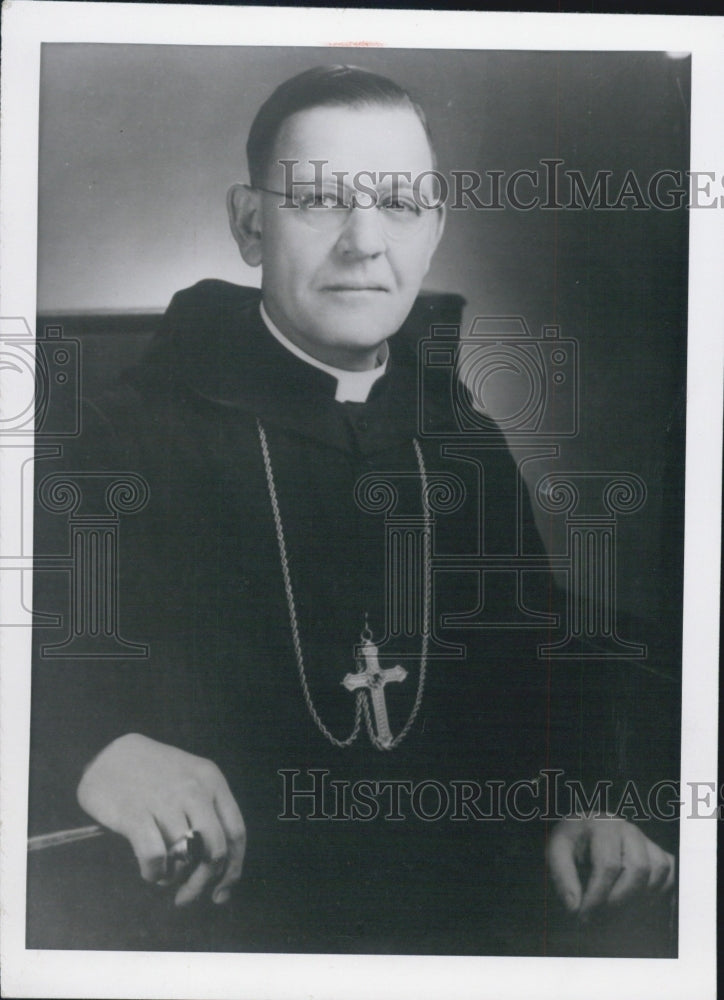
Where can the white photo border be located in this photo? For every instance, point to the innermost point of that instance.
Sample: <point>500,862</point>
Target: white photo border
<point>27,24</point>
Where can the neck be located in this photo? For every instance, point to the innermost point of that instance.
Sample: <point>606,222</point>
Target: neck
<point>346,359</point>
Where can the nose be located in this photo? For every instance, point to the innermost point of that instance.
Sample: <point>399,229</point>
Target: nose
<point>362,235</point>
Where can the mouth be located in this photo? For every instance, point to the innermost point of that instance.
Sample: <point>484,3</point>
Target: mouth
<point>354,288</point>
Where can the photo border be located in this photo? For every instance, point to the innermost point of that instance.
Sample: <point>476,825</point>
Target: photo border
<point>26,25</point>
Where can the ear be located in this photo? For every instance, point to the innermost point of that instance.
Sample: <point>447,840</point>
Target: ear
<point>436,230</point>
<point>243,204</point>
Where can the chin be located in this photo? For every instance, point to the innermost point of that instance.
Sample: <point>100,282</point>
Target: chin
<point>368,328</point>
<point>365,337</point>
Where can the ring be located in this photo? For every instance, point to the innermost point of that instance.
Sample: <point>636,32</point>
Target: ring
<point>181,852</point>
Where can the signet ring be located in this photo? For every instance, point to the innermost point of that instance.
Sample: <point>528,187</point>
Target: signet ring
<point>182,854</point>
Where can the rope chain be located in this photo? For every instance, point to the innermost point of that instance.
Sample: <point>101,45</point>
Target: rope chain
<point>361,702</point>
<point>426,604</point>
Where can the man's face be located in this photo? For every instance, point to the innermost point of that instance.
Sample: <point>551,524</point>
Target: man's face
<point>340,294</point>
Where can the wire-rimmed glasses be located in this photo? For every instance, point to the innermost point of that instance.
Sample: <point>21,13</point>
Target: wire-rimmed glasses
<point>327,209</point>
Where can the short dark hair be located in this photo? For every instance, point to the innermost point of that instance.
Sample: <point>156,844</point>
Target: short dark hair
<point>322,86</point>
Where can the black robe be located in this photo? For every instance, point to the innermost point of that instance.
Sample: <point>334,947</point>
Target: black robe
<point>201,583</point>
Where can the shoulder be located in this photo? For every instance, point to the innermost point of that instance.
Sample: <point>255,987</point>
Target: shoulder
<point>156,403</point>
<point>202,343</point>
<point>210,300</point>
<point>204,317</point>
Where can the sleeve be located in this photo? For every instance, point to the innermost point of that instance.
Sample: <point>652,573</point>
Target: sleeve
<point>96,671</point>
<point>609,726</point>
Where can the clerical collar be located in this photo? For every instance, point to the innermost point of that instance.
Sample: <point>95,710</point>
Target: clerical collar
<point>352,387</point>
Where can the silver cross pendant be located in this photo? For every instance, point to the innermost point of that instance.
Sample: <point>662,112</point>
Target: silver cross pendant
<point>373,678</point>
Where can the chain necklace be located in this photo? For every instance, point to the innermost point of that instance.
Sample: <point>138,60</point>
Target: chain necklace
<point>371,679</point>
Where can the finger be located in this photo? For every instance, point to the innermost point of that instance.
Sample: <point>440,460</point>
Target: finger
<point>204,819</point>
<point>174,827</point>
<point>605,851</point>
<point>635,872</point>
<point>659,867</point>
<point>173,824</point>
<point>671,877</point>
<point>562,865</point>
<point>235,829</point>
<point>200,878</point>
<point>148,846</point>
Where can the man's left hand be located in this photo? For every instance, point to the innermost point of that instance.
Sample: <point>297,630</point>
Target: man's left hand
<point>623,864</point>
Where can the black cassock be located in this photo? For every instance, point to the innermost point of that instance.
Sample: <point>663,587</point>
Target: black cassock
<point>363,867</point>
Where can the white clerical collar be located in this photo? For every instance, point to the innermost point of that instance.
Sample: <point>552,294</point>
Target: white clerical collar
<point>352,387</point>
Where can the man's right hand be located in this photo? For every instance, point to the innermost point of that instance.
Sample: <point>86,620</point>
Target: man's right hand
<point>152,794</point>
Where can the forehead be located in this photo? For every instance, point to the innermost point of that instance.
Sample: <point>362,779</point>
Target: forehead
<point>368,138</point>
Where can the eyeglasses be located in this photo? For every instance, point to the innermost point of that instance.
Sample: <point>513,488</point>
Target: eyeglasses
<point>328,209</point>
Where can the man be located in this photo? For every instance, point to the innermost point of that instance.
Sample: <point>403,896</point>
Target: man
<point>264,720</point>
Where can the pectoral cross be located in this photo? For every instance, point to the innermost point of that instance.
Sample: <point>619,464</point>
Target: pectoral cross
<point>373,677</point>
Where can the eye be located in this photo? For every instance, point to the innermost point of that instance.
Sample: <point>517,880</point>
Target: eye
<point>320,199</point>
<point>400,206</point>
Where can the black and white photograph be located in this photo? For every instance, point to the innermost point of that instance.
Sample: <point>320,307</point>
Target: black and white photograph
<point>361,429</point>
